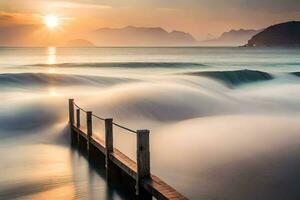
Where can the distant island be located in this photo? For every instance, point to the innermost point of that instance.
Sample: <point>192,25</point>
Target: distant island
<point>79,43</point>
<point>279,35</point>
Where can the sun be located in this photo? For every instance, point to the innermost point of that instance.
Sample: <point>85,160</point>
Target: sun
<point>51,21</point>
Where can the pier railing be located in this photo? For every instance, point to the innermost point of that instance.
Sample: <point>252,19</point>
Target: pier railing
<point>139,170</point>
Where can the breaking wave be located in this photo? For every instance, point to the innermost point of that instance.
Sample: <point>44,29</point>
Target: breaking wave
<point>295,73</point>
<point>235,78</point>
<point>45,79</point>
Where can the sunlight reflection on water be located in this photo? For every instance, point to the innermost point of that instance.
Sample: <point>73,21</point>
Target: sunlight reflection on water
<point>51,55</point>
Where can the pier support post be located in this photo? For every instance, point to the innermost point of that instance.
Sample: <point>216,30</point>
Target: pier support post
<point>78,123</point>
<point>71,121</point>
<point>89,125</point>
<point>109,145</point>
<point>71,111</point>
<point>143,158</point>
<point>78,118</point>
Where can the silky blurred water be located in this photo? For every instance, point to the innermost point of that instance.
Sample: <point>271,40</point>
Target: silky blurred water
<point>224,121</point>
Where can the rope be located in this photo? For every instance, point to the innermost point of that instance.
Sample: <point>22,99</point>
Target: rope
<point>123,127</point>
<point>79,107</point>
<point>98,117</point>
<point>118,125</point>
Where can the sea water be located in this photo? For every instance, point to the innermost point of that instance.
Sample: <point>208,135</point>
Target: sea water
<point>224,122</point>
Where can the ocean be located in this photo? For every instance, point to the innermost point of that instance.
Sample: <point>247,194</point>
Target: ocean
<point>224,122</point>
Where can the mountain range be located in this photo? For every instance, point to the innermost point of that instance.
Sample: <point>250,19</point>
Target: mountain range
<point>140,36</point>
<point>31,35</point>
<point>285,34</point>
<point>231,38</point>
<point>156,36</point>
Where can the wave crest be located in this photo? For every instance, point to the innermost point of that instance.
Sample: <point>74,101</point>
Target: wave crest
<point>130,65</point>
<point>235,78</point>
<point>45,79</point>
<point>295,73</point>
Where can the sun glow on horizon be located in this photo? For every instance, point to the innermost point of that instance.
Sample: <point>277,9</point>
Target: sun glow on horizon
<point>53,92</point>
<point>51,21</point>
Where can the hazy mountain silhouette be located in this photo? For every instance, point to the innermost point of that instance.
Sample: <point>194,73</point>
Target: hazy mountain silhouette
<point>79,43</point>
<point>140,36</point>
<point>231,38</point>
<point>279,35</point>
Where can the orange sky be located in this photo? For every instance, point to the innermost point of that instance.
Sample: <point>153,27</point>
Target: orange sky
<point>199,17</point>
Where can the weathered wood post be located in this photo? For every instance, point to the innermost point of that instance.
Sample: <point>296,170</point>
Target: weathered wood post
<point>71,111</point>
<point>89,125</point>
<point>71,120</point>
<point>78,118</point>
<point>109,144</point>
<point>143,158</point>
<point>78,123</point>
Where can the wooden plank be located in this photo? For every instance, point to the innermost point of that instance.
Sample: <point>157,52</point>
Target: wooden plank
<point>161,190</point>
<point>79,131</point>
<point>154,185</point>
<point>124,162</point>
<point>99,144</point>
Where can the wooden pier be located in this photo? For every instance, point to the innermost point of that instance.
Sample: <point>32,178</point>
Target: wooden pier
<point>147,185</point>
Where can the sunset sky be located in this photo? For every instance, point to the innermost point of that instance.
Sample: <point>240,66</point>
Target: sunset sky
<point>198,17</point>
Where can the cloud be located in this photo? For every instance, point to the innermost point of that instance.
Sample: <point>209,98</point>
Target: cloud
<point>5,16</point>
<point>76,5</point>
<point>282,6</point>
<point>9,18</point>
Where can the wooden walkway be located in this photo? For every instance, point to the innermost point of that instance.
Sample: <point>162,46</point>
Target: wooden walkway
<point>139,171</point>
